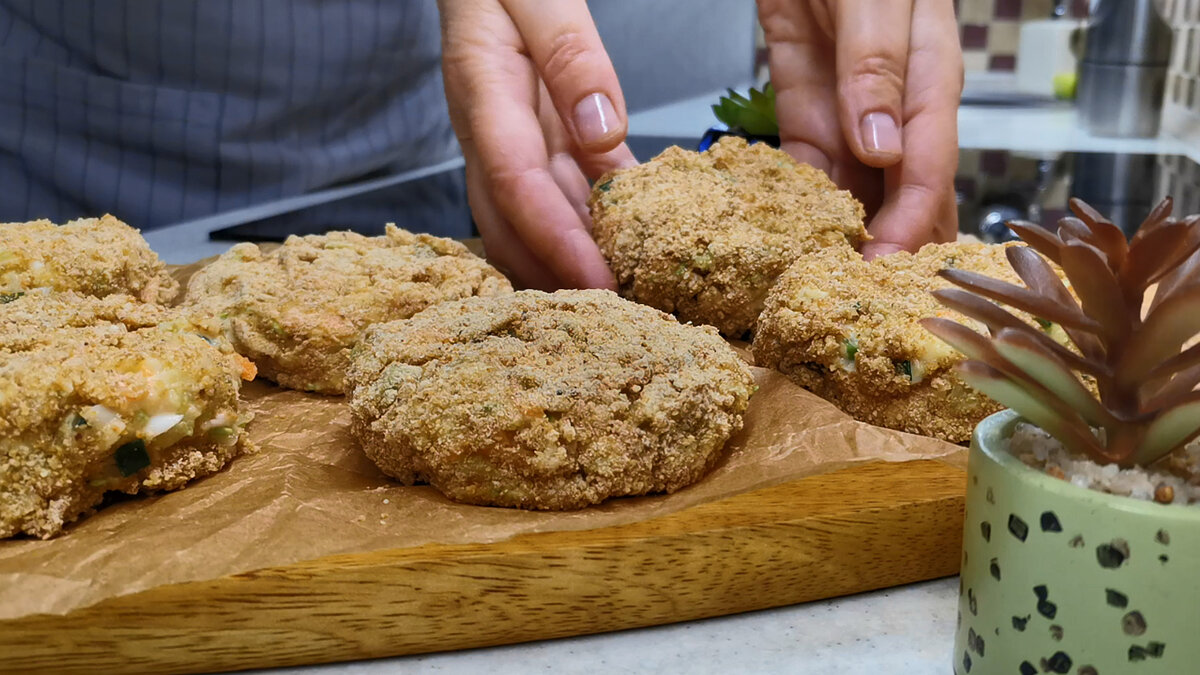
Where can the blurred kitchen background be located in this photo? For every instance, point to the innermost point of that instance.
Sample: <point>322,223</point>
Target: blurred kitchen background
<point>1031,135</point>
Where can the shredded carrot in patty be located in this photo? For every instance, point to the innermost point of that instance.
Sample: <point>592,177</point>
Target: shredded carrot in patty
<point>249,370</point>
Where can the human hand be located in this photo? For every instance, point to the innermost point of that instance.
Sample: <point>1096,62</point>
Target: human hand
<point>537,109</point>
<point>868,91</point>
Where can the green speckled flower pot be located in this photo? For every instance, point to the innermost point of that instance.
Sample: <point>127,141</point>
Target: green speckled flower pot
<point>1062,579</point>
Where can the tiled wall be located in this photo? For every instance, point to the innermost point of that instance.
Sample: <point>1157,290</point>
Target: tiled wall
<point>1181,104</point>
<point>1181,107</point>
<point>990,29</point>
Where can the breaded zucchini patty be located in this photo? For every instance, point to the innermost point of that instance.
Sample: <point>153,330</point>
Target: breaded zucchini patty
<point>704,235</point>
<point>546,400</point>
<point>107,395</point>
<point>95,256</point>
<point>848,331</point>
<point>295,310</point>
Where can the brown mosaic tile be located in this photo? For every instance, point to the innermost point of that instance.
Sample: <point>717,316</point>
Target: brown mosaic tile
<point>1007,9</point>
<point>974,37</point>
<point>1003,62</point>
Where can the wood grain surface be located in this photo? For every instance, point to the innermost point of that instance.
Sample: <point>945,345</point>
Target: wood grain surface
<point>867,527</point>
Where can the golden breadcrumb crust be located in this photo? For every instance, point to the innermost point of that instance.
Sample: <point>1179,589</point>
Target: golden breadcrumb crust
<point>94,256</point>
<point>294,311</point>
<point>705,234</point>
<point>100,395</point>
<point>546,401</point>
<point>848,330</point>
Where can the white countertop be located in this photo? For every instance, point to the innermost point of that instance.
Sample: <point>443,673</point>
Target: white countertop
<point>901,631</point>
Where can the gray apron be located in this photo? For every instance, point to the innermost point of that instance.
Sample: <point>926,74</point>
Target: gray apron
<point>161,111</point>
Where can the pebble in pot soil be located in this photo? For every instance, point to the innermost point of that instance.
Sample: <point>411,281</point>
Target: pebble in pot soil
<point>1179,485</point>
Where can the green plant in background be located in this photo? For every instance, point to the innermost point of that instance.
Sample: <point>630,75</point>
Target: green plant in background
<point>1135,360</point>
<point>754,116</point>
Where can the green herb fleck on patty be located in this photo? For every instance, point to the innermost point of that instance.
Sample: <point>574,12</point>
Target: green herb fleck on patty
<point>6,298</point>
<point>851,345</point>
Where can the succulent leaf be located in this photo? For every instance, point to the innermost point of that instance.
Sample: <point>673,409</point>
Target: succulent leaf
<point>1159,253</point>
<point>1021,298</point>
<point>997,318</point>
<point>1074,229</point>
<point>971,344</point>
<point>1187,274</point>
<point>1158,216</point>
<point>1175,390</point>
<point>1032,360</point>
<point>1165,330</point>
<point>754,115</point>
<point>1110,240</point>
<point>1039,239</point>
<point>1099,292</point>
<point>1185,359</point>
<point>1171,429</point>
<point>1149,404</point>
<point>1072,433</point>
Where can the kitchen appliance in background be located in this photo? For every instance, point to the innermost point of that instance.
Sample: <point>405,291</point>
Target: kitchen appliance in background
<point>1121,186</point>
<point>1124,68</point>
<point>1044,53</point>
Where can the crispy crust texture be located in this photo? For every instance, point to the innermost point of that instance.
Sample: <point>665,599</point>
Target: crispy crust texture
<point>546,401</point>
<point>295,311</point>
<point>94,256</point>
<point>848,330</point>
<point>704,235</point>
<point>100,395</point>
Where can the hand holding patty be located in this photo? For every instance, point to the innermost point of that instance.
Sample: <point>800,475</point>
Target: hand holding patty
<point>538,111</point>
<point>868,91</point>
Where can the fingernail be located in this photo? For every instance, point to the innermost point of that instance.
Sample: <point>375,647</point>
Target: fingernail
<point>595,119</point>
<point>872,251</point>
<point>880,134</point>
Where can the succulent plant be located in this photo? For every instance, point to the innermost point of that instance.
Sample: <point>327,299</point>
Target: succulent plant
<point>754,116</point>
<point>1128,338</point>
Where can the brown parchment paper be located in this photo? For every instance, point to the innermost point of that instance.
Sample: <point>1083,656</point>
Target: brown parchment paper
<point>310,492</point>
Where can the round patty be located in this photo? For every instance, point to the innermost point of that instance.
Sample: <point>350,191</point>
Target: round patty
<point>848,331</point>
<point>704,235</point>
<point>95,256</point>
<point>295,310</point>
<point>107,395</point>
<point>546,401</point>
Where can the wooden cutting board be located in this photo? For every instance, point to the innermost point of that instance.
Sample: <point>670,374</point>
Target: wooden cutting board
<point>868,527</point>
